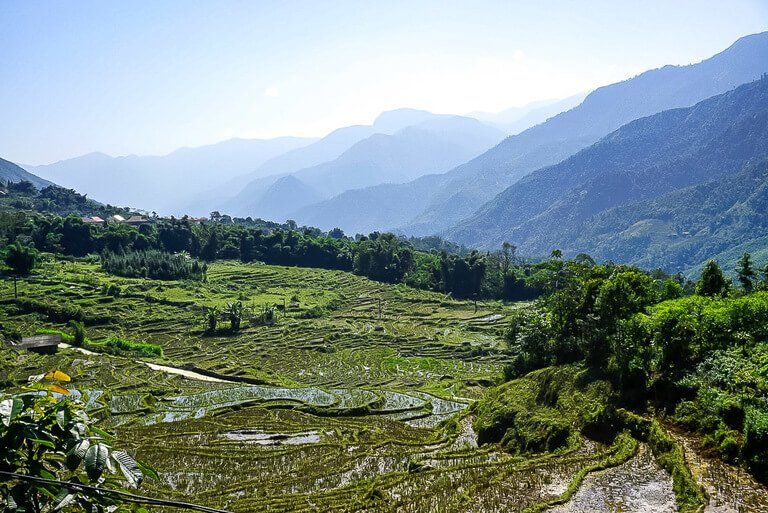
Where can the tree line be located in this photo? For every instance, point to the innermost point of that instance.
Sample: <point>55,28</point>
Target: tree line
<point>693,350</point>
<point>145,251</point>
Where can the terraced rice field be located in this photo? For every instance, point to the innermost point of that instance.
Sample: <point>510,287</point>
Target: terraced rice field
<point>358,398</point>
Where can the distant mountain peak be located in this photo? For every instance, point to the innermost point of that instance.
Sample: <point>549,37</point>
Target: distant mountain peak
<point>393,120</point>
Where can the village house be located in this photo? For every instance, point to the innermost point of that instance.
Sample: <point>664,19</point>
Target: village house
<point>93,220</point>
<point>137,220</point>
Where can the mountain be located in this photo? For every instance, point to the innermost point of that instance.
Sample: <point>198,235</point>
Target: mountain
<point>426,147</point>
<point>467,187</point>
<point>337,142</point>
<point>560,206</point>
<point>457,194</point>
<point>433,145</point>
<point>277,200</point>
<point>516,119</point>
<point>145,181</point>
<point>680,230</point>
<point>380,207</point>
<point>10,172</point>
<point>242,192</point>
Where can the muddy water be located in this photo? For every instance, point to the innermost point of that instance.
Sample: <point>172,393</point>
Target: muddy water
<point>637,486</point>
<point>730,489</point>
<point>259,437</point>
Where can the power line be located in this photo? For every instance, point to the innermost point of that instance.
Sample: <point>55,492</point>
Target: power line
<point>128,497</point>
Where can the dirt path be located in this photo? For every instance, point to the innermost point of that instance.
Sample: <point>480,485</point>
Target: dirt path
<point>161,368</point>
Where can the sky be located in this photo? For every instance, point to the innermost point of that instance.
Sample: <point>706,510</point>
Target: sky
<point>147,77</point>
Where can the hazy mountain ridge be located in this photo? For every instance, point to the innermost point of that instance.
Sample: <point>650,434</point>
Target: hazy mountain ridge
<point>601,112</point>
<point>10,172</point>
<point>146,181</point>
<point>645,159</point>
<point>427,147</point>
<point>459,193</point>
<point>516,119</point>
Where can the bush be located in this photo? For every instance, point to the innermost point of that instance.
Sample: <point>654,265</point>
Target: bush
<point>78,333</point>
<point>315,312</point>
<point>153,264</point>
<point>756,440</point>
<point>540,411</point>
<point>141,348</point>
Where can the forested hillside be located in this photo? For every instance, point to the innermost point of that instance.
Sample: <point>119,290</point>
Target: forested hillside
<point>10,172</point>
<point>457,194</point>
<point>645,159</point>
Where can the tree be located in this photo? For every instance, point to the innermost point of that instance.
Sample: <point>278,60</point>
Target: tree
<point>556,254</point>
<point>247,248</point>
<point>746,272</point>
<point>507,257</point>
<point>712,281</point>
<point>78,332</point>
<point>47,440</point>
<point>211,316</point>
<point>234,311</point>
<point>210,250</point>
<point>764,282</point>
<point>21,259</point>
<point>462,277</point>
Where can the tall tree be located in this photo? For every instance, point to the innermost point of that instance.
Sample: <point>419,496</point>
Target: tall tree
<point>712,281</point>
<point>746,272</point>
<point>21,259</point>
<point>507,257</point>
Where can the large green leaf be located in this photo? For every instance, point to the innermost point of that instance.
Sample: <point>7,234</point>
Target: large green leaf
<point>129,468</point>
<point>63,499</point>
<point>96,461</point>
<point>76,454</point>
<point>9,408</point>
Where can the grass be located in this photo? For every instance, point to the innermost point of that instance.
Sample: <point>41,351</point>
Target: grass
<point>382,396</point>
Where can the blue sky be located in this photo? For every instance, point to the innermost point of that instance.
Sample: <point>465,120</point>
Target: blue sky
<point>148,77</point>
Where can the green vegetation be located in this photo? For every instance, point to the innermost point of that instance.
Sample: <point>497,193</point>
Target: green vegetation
<point>157,250</point>
<point>541,411</point>
<point>51,199</point>
<point>46,441</point>
<point>376,395</point>
<point>153,264</point>
<point>140,348</point>
<point>699,357</point>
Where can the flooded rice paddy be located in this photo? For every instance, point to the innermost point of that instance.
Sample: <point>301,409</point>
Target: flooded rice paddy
<point>351,411</point>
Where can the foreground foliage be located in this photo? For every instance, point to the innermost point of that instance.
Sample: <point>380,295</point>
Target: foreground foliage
<point>52,438</point>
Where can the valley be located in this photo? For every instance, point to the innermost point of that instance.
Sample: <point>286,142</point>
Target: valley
<point>349,410</point>
<point>401,257</point>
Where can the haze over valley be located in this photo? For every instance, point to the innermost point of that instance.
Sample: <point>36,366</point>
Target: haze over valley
<point>384,257</point>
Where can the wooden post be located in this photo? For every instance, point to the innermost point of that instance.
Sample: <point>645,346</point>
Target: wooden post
<point>475,303</point>
<point>379,308</point>
<point>15,288</point>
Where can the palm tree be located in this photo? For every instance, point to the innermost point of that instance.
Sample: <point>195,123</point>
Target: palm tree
<point>234,311</point>
<point>211,315</point>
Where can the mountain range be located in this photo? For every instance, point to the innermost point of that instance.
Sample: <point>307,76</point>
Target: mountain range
<point>434,144</point>
<point>164,183</point>
<point>556,207</point>
<point>659,169</point>
<point>449,198</point>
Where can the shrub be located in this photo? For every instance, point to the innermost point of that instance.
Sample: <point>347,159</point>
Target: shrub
<point>153,264</point>
<point>756,440</point>
<point>78,333</point>
<point>142,348</point>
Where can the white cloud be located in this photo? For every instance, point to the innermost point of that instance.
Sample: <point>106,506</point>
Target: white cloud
<point>272,92</point>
